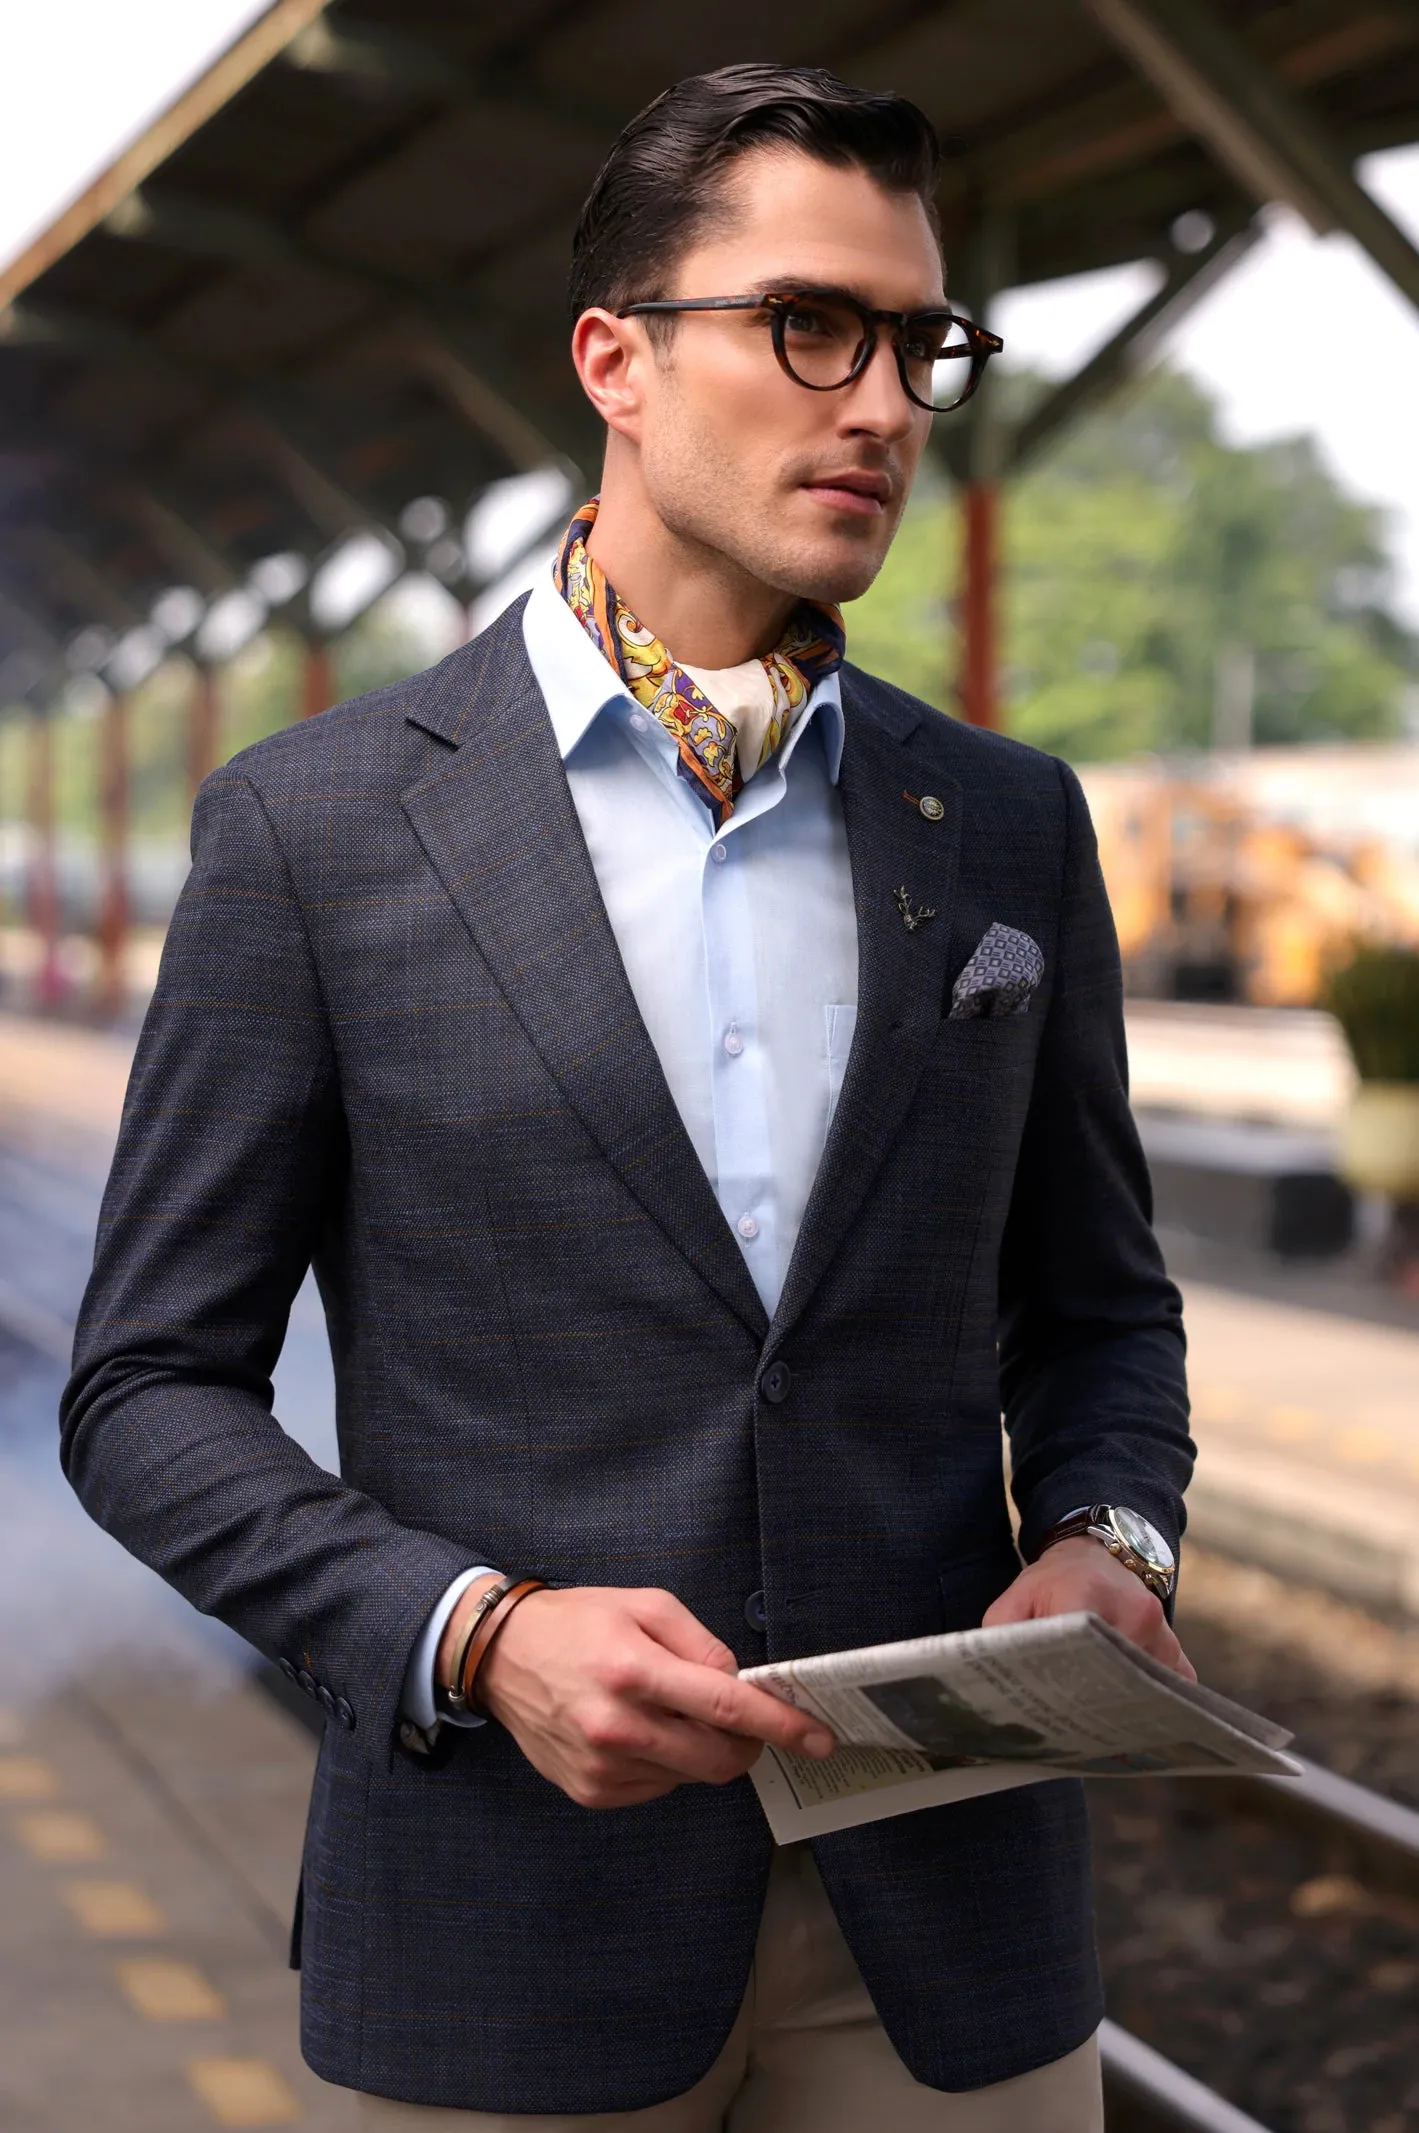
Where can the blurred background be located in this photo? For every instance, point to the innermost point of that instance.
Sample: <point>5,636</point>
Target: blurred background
<point>286,413</point>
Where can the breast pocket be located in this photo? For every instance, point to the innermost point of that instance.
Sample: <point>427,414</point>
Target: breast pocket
<point>840,1023</point>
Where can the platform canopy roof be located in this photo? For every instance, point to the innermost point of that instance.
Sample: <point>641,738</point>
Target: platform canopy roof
<point>330,279</point>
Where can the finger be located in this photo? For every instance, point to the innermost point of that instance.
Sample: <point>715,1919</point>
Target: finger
<point>701,1754</point>
<point>734,1706</point>
<point>1014,1605</point>
<point>623,1742</point>
<point>671,1625</point>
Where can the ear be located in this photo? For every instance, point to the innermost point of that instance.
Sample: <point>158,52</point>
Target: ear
<point>612,356</point>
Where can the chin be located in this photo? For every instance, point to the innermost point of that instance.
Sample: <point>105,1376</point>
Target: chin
<point>830,579</point>
<point>829,571</point>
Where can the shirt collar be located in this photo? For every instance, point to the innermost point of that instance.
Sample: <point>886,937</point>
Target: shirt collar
<point>579,684</point>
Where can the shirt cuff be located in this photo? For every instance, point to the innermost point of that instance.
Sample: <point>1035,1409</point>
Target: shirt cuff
<point>417,1700</point>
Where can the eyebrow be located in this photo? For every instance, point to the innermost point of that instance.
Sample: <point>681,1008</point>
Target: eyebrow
<point>803,285</point>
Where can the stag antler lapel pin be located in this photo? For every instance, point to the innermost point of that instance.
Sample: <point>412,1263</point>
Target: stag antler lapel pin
<point>913,915</point>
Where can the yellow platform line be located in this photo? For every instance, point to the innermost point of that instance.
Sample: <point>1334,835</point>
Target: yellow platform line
<point>167,1991</point>
<point>114,1910</point>
<point>60,1838</point>
<point>244,2092</point>
<point>25,1777</point>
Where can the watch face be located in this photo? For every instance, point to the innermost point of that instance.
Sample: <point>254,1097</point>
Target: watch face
<point>1139,1534</point>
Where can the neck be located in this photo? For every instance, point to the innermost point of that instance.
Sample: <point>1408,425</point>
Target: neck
<point>701,606</point>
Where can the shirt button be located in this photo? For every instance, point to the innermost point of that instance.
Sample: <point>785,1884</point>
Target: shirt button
<point>639,724</point>
<point>776,1383</point>
<point>734,1045</point>
<point>719,853</point>
<point>756,1612</point>
<point>748,1226</point>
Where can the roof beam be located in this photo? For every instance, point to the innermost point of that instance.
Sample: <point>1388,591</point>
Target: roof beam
<point>1131,349</point>
<point>234,237</point>
<point>185,547</point>
<point>1106,132</point>
<point>1269,140</point>
<point>333,508</point>
<point>244,59</point>
<point>81,581</point>
<point>382,56</point>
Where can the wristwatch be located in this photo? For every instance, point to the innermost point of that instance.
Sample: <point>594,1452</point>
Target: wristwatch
<point>1130,1538</point>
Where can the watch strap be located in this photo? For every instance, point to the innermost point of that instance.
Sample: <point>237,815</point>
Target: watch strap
<point>1091,1522</point>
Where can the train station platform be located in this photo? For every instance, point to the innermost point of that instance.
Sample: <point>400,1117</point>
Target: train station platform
<point>152,1797</point>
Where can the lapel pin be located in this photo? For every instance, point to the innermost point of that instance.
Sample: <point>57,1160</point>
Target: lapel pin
<point>928,805</point>
<point>913,915</point>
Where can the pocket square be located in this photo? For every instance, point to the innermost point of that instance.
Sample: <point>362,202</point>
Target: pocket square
<point>1002,973</point>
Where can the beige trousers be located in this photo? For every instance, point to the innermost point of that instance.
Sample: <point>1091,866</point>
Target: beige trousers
<point>807,2054</point>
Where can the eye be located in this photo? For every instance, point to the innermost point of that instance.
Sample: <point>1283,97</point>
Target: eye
<point>926,341</point>
<point>808,321</point>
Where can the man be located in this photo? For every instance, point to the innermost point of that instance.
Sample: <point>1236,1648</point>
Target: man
<point>679,1056</point>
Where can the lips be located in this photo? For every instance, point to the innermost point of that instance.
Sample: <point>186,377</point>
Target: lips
<point>852,489</point>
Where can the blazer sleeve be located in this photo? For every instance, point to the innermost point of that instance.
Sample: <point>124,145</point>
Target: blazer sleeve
<point>1091,1336</point>
<point>230,1162</point>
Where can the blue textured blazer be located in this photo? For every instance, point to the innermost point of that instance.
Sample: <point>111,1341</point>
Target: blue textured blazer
<point>392,1037</point>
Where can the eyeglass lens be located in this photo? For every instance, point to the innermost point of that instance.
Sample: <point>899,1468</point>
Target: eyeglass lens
<point>823,342</point>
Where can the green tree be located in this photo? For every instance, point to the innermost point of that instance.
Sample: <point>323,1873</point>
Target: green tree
<point>1138,559</point>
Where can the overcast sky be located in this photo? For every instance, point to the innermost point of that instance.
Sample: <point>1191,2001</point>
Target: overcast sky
<point>1305,335</point>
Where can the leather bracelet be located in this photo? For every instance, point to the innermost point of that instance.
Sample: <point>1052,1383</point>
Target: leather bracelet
<point>487,1630</point>
<point>487,1601</point>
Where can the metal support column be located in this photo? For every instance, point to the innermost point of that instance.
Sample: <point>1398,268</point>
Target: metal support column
<point>113,857</point>
<point>42,882</point>
<point>980,636</point>
<point>317,677</point>
<point>204,722</point>
<point>978,683</point>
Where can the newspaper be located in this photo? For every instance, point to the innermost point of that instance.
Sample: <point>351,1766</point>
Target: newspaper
<point>945,1718</point>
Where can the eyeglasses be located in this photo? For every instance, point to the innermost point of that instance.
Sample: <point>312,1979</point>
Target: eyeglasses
<point>825,339</point>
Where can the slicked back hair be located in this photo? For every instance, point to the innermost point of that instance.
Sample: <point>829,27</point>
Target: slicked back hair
<point>663,186</point>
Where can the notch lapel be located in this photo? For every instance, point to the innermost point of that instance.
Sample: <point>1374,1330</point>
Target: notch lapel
<point>902,968</point>
<point>500,830</point>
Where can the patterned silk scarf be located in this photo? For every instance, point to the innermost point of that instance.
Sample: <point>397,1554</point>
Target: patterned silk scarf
<point>811,647</point>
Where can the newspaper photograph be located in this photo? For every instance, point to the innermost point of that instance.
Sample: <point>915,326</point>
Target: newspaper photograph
<point>944,1718</point>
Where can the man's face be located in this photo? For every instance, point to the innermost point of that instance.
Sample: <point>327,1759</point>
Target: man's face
<point>801,490</point>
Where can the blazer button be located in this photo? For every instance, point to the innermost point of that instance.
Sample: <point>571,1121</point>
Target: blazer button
<point>326,1700</point>
<point>345,1712</point>
<point>756,1612</point>
<point>306,1680</point>
<point>776,1383</point>
<point>287,1669</point>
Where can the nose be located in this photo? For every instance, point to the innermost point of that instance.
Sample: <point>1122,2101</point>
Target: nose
<point>877,402</point>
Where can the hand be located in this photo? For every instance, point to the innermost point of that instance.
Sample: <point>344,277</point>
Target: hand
<point>1079,1575</point>
<point>620,1696</point>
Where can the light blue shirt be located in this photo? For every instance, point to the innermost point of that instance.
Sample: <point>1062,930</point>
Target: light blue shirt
<point>740,945</point>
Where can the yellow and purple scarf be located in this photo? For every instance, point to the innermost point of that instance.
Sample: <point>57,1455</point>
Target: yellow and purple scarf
<point>810,648</point>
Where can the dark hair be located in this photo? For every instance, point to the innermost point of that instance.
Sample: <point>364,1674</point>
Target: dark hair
<point>659,189</point>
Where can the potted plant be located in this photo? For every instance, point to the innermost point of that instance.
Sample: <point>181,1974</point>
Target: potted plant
<point>1375,999</point>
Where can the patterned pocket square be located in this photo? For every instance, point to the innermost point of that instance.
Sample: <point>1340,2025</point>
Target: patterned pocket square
<point>1000,976</point>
